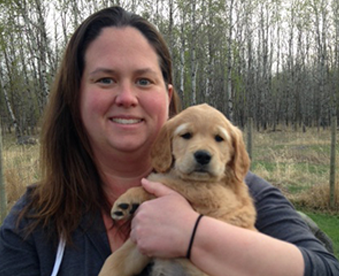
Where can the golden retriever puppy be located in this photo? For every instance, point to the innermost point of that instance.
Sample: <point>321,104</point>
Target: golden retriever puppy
<point>201,155</point>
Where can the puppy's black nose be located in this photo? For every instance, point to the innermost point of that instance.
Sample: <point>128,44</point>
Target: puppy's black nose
<point>202,157</point>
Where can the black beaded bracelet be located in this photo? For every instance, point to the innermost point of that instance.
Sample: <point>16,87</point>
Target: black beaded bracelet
<point>188,255</point>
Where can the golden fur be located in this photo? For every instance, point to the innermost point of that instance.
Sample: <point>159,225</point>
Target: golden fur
<point>201,155</point>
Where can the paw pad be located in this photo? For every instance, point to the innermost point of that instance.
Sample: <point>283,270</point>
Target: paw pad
<point>122,211</point>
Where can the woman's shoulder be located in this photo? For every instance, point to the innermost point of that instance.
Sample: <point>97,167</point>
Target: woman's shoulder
<point>259,186</point>
<point>270,202</point>
<point>11,220</point>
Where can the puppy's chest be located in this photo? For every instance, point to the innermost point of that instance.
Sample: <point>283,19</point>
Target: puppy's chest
<point>203,196</point>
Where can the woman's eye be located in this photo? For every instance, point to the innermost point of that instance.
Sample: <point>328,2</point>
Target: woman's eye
<point>218,138</point>
<point>187,136</point>
<point>144,82</point>
<point>106,81</point>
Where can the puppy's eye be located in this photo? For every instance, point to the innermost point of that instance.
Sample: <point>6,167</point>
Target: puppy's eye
<point>218,138</point>
<point>187,136</point>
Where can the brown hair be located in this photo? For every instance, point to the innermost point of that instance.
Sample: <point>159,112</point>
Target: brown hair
<point>71,184</point>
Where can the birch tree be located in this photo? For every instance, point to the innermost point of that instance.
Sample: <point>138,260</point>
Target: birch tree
<point>228,105</point>
<point>8,82</point>
<point>320,11</point>
<point>335,69</point>
<point>272,60</point>
<point>182,51</point>
<point>193,63</point>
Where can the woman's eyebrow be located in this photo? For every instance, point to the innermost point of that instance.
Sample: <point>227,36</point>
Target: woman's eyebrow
<point>102,70</point>
<point>111,71</point>
<point>145,71</point>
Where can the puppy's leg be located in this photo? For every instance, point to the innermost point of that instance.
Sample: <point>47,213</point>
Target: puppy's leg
<point>175,267</point>
<point>190,269</point>
<point>125,206</point>
<point>126,261</point>
<point>167,267</point>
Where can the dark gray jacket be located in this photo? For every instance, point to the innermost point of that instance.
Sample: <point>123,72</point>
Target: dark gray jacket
<point>35,256</point>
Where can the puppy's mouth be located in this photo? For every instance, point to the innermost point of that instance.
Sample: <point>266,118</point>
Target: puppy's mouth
<point>200,171</point>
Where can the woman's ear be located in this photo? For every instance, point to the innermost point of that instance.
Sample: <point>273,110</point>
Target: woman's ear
<point>170,92</point>
<point>170,96</point>
<point>161,152</point>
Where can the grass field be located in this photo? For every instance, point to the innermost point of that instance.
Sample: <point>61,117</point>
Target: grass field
<point>296,162</point>
<point>20,167</point>
<point>299,164</point>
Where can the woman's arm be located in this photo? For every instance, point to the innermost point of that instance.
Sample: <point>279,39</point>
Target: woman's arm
<point>17,256</point>
<point>162,228</point>
<point>224,249</point>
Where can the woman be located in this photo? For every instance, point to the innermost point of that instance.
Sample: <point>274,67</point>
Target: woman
<point>113,93</point>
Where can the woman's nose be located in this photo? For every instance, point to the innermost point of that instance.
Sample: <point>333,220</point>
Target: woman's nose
<point>126,96</point>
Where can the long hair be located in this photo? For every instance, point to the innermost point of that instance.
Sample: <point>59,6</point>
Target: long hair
<point>71,184</point>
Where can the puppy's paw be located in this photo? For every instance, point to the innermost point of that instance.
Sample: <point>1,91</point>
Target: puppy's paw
<point>123,210</point>
<point>125,206</point>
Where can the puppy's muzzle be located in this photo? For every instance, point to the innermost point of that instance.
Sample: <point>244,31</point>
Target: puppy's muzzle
<point>202,157</point>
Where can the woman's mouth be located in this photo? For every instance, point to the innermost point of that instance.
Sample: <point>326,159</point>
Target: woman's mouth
<point>125,121</point>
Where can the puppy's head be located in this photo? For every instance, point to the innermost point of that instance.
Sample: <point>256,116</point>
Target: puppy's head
<point>200,144</point>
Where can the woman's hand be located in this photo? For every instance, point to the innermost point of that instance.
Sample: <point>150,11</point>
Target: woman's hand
<point>162,227</point>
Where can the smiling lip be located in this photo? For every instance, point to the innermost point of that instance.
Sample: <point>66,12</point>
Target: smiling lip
<point>126,121</point>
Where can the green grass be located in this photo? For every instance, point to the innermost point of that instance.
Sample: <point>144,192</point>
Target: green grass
<point>295,189</point>
<point>299,164</point>
<point>330,225</point>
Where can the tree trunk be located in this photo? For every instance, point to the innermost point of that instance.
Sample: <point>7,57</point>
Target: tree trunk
<point>228,101</point>
<point>193,54</point>
<point>3,197</point>
<point>182,93</point>
<point>332,166</point>
<point>7,100</point>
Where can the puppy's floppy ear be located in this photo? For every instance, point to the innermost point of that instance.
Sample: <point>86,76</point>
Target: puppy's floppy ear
<point>240,162</point>
<point>161,152</point>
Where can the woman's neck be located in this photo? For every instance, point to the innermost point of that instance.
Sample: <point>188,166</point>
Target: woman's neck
<point>115,185</point>
<point>119,175</point>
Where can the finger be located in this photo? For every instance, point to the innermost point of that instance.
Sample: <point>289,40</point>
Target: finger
<point>132,236</point>
<point>156,188</point>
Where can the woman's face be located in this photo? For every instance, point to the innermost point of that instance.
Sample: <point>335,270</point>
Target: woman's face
<point>124,99</point>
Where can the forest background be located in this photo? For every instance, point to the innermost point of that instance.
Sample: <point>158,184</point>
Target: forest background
<point>271,60</point>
